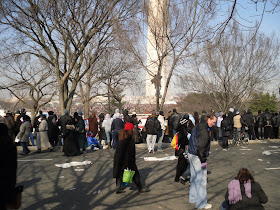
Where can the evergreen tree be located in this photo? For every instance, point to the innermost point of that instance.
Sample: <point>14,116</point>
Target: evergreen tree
<point>262,101</point>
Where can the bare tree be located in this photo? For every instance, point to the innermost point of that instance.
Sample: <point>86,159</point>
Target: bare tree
<point>29,81</point>
<point>232,68</point>
<point>60,31</point>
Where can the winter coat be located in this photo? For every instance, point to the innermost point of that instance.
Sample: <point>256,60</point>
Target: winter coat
<point>107,123</point>
<point>43,129</point>
<point>152,125</point>
<point>174,120</point>
<point>117,124</point>
<point>93,124</point>
<point>275,121</point>
<point>248,118</point>
<point>237,121</point>
<point>124,157</point>
<point>126,117</point>
<point>80,133</point>
<point>52,127</point>
<point>18,122</point>
<point>102,134</point>
<point>199,142</point>
<point>254,203</point>
<point>226,127</point>
<point>268,118</point>
<point>260,120</point>
<point>63,121</point>
<point>24,132</point>
<point>8,175</point>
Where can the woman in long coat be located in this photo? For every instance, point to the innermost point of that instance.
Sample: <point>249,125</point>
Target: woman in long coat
<point>93,123</point>
<point>43,129</point>
<point>80,131</point>
<point>70,146</point>
<point>23,135</point>
<point>125,158</point>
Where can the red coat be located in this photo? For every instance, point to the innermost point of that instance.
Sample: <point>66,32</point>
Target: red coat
<point>93,124</point>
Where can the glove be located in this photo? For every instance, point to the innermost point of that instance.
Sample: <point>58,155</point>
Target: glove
<point>203,165</point>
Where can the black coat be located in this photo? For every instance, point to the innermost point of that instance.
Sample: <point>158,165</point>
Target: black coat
<point>226,127</point>
<point>248,118</point>
<point>124,157</point>
<point>254,203</point>
<point>260,120</point>
<point>52,127</point>
<point>268,118</point>
<point>174,120</point>
<point>63,120</point>
<point>8,168</point>
<point>152,125</point>
<point>117,124</point>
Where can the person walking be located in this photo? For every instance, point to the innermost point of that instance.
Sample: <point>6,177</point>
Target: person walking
<point>43,129</point>
<point>152,127</point>
<point>198,151</point>
<point>23,135</point>
<point>125,157</point>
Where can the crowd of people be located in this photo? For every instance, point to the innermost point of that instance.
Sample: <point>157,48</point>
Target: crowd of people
<point>121,132</point>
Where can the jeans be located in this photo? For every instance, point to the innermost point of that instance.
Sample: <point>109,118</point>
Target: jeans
<point>31,138</point>
<point>24,147</point>
<point>161,135</point>
<point>108,140</point>
<point>151,140</point>
<point>198,181</point>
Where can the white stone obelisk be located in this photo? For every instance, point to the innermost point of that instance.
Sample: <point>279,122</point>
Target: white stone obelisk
<point>157,47</point>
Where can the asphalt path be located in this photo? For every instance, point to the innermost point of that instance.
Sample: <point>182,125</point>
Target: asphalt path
<point>47,186</point>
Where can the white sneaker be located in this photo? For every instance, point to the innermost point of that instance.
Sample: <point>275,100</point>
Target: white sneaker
<point>208,206</point>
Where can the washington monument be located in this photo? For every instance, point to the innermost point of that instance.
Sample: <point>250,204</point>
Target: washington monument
<point>158,58</point>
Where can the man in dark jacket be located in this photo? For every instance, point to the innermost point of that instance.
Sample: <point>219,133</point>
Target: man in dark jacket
<point>174,121</point>
<point>249,120</point>
<point>52,128</point>
<point>152,127</point>
<point>260,124</point>
<point>275,126</point>
<point>268,128</point>
<point>198,151</point>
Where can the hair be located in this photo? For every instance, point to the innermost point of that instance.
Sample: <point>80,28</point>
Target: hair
<point>125,134</point>
<point>196,117</point>
<point>43,117</point>
<point>244,175</point>
<point>211,116</point>
<point>161,112</point>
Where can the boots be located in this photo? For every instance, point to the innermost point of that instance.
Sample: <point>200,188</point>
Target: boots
<point>109,145</point>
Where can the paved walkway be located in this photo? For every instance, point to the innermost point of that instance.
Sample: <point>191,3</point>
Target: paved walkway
<point>92,186</point>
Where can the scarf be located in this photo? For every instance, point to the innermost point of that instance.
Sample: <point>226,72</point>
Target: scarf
<point>234,191</point>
